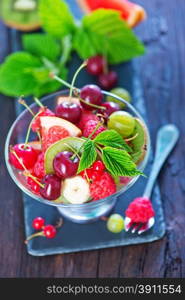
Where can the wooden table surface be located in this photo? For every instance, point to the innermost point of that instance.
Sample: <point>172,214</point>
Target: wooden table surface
<point>162,72</point>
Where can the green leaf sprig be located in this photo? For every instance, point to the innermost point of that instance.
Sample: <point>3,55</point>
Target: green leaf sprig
<point>27,72</point>
<point>114,152</point>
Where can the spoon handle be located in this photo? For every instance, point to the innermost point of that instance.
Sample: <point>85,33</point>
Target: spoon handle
<point>166,139</point>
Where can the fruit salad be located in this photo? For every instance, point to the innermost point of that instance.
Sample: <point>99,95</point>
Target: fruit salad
<point>86,149</point>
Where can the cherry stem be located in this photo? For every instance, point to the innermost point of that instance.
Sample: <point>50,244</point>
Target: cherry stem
<point>21,101</point>
<point>38,102</point>
<point>59,223</point>
<point>75,90</point>
<point>131,138</point>
<point>52,75</point>
<point>29,130</point>
<point>73,150</point>
<point>91,104</point>
<point>40,233</point>
<point>75,76</point>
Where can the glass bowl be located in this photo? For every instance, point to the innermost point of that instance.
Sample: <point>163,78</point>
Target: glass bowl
<point>80,213</point>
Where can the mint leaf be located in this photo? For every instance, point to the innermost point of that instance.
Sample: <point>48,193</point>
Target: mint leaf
<point>102,32</point>
<point>40,45</point>
<point>56,17</point>
<point>113,139</point>
<point>88,156</point>
<point>118,162</point>
<point>16,74</point>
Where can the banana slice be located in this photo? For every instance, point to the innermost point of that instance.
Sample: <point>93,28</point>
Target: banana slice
<point>76,190</point>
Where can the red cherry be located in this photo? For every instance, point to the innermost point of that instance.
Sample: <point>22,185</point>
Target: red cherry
<point>108,80</point>
<point>38,223</point>
<point>98,166</point>
<point>52,187</point>
<point>50,231</point>
<point>69,111</point>
<point>91,94</point>
<point>110,108</point>
<point>96,64</point>
<point>27,155</point>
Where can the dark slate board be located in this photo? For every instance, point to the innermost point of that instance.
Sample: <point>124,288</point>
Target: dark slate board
<point>74,237</point>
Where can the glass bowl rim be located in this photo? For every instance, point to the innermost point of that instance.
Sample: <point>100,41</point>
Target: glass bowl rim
<point>70,205</point>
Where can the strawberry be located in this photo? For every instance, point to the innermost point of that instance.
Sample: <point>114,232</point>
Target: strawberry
<point>90,127</point>
<point>86,116</point>
<point>103,187</point>
<point>140,210</point>
<point>44,111</point>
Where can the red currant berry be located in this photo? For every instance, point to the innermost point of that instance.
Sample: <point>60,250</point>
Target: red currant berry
<point>91,174</point>
<point>96,64</point>
<point>35,187</point>
<point>26,154</point>
<point>50,231</point>
<point>38,223</point>
<point>98,166</point>
<point>108,80</point>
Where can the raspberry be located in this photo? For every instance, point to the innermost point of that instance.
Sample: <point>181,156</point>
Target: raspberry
<point>103,187</point>
<point>140,210</point>
<point>86,116</point>
<point>44,111</point>
<point>38,169</point>
<point>89,128</point>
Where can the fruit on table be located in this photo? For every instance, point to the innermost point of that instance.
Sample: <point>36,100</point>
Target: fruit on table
<point>65,164</point>
<point>25,153</point>
<point>108,80</point>
<point>140,210</point>
<point>38,223</point>
<point>122,93</point>
<point>132,13</point>
<point>65,144</point>
<point>69,111</point>
<point>90,126</point>
<point>122,122</point>
<point>20,14</point>
<point>76,190</point>
<point>54,129</point>
<point>115,223</point>
<point>92,95</point>
<point>49,231</point>
<point>96,65</point>
<point>51,189</point>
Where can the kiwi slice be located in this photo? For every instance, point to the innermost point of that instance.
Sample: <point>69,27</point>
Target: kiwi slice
<point>66,144</point>
<point>15,14</point>
<point>138,144</point>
